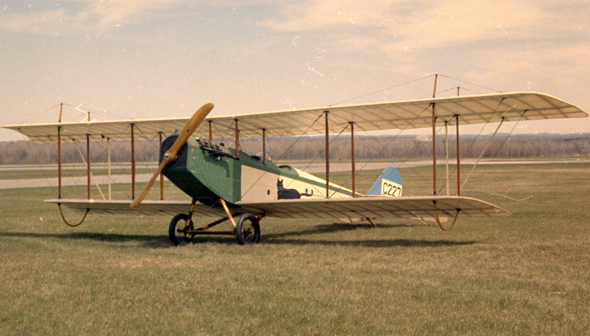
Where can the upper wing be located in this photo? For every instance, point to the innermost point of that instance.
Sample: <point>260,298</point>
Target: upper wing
<point>367,117</point>
<point>405,114</point>
<point>418,207</point>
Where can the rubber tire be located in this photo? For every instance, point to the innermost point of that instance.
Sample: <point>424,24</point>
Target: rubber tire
<point>180,218</point>
<point>241,228</point>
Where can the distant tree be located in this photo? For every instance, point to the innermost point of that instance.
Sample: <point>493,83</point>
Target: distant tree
<point>308,148</point>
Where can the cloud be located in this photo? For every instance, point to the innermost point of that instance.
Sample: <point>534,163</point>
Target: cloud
<point>411,24</point>
<point>75,17</point>
<point>544,65</point>
<point>414,25</point>
<point>80,16</point>
<point>119,12</point>
<point>408,32</point>
<point>330,15</point>
<point>44,23</point>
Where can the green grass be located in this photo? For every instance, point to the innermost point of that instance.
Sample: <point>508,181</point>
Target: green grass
<point>523,275</point>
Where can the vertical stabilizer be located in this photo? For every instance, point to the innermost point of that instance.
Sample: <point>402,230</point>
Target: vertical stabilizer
<point>389,183</point>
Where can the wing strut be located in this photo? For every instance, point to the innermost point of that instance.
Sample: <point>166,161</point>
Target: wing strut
<point>237,130</point>
<point>132,162</point>
<point>353,168</point>
<point>458,160</point>
<point>210,131</point>
<point>264,146</point>
<point>109,167</point>
<point>447,154</point>
<point>59,161</point>
<point>434,136</point>
<point>327,156</point>
<point>434,146</point>
<point>161,175</point>
<point>370,221</point>
<point>88,162</point>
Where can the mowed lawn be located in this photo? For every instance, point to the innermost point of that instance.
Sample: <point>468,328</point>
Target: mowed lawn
<point>528,274</point>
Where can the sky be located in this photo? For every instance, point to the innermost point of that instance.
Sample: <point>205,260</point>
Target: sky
<point>165,58</point>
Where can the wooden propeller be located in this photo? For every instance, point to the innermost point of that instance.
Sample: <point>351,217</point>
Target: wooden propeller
<point>170,155</point>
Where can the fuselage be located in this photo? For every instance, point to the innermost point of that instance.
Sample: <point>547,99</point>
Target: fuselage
<point>207,171</point>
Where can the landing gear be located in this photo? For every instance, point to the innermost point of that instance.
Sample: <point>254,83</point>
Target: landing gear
<point>178,230</point>
<point>247,230</point>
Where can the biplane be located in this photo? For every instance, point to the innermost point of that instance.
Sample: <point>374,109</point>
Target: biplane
<point>228,185</point>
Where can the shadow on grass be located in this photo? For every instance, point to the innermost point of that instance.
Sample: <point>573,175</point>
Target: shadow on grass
<point>371,243</point>
<point>144,240</point>
<point>276,239</point>
<point>336,227</point>
<point>161,241</point>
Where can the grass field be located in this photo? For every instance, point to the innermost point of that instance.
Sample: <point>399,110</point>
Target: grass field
<point>528,274</point>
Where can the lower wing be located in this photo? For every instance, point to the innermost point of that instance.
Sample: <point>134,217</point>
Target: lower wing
<point>144,208</point>
<point>418,207</point>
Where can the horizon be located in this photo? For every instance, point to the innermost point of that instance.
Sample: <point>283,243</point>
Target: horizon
<point>481,136</point>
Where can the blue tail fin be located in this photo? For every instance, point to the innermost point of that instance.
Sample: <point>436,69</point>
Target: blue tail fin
<point>389,183</point>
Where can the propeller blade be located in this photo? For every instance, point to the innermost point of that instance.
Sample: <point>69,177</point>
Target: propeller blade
<point>170,154</point>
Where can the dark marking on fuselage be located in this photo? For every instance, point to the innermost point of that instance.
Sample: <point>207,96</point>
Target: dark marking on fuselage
<point>289,193</point>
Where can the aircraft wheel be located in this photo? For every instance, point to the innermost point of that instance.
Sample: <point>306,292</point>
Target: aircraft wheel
<point>176,230</point>
<point>247,230</point>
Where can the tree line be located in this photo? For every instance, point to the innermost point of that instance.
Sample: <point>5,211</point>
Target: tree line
<point>309,148</point>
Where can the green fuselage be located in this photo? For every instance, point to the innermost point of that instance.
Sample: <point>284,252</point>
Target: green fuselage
<point>207,171</point>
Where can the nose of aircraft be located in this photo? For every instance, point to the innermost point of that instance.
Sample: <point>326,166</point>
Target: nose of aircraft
<point>170,155</point>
